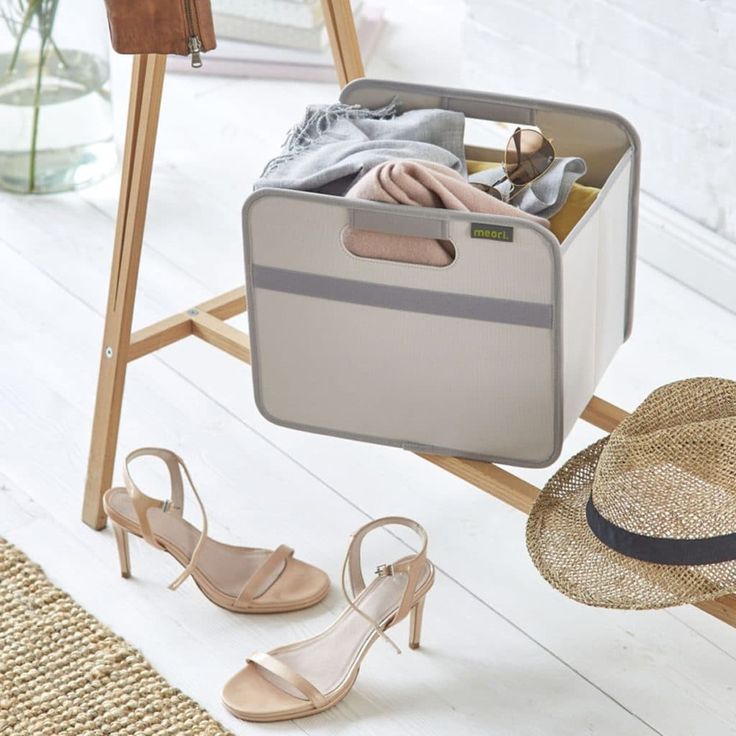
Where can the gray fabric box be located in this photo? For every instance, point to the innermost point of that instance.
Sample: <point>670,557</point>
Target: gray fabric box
<point>492,357</point>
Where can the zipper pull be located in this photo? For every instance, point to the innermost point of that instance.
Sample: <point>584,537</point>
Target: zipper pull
<point>195,49</point>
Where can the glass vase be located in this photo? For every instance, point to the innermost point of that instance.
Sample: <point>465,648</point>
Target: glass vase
<point>56,126</point>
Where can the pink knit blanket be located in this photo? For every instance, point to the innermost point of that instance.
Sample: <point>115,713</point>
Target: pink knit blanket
<point>420,184</point>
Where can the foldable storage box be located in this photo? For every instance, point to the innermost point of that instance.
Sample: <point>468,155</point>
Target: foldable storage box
<point>492,357</point>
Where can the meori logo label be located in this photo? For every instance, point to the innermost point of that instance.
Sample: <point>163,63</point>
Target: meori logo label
<point>492,232</point>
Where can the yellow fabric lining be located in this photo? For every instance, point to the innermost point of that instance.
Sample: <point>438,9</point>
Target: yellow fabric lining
<point>580,199</point>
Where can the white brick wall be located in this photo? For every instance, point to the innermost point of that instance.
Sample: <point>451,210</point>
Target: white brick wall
<point>667,65</point>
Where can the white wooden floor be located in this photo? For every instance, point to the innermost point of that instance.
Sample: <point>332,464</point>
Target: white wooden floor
<point>504,653</point>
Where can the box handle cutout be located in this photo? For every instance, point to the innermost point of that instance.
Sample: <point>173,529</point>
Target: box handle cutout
<point>399,238</point>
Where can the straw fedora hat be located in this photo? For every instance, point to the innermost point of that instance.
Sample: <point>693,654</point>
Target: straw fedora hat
<point>646,517</point>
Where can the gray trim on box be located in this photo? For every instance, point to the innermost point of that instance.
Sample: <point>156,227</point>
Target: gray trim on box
<point>402,298</point>
<point>523,110</point>
<point>414,224</point>
<point>381,209</point>
<point>633,233</point>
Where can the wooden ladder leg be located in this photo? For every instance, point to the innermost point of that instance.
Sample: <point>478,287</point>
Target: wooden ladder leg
<point>343,40</point>
<point>145,102</point>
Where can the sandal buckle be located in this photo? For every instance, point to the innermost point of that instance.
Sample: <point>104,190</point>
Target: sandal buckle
<point>384,571</point>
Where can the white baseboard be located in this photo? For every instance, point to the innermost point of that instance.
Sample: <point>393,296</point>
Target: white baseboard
<point>687,251</point>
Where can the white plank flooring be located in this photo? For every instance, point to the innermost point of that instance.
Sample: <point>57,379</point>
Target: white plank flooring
<point>504,653</point>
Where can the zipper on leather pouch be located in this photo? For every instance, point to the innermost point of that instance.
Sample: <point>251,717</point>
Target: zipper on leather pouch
<point>194,42</point>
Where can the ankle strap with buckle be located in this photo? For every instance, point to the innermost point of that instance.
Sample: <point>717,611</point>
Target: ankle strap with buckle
<point>142,504</point>
<point>414,566</point>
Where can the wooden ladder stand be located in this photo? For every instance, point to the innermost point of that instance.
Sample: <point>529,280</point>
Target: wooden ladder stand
<point>207,321</point>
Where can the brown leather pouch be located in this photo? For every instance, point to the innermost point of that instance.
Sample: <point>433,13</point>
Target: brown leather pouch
<point>162,27</point>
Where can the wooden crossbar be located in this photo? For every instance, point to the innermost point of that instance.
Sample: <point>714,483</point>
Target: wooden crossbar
<point>221,335</point>
<point>204,320</point>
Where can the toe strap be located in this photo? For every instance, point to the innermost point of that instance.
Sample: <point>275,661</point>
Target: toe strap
<point>266,575</point>
<point>283,671</point>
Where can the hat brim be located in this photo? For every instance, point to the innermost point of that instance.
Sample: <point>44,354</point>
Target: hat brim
<point>575,562</point>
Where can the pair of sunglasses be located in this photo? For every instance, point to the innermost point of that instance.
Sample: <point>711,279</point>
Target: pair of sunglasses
<point>528,155</point>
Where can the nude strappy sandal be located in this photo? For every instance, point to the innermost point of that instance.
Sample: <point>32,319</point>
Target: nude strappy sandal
<point>309,676</point>
<point>239,579</point>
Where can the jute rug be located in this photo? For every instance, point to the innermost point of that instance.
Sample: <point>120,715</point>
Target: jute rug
<point>63,672</point>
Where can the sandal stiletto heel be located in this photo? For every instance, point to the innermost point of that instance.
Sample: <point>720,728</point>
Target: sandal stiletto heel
<point>312,675</point>
<point>121,541</point>
<point>240,579</point>
<point>415,624</point>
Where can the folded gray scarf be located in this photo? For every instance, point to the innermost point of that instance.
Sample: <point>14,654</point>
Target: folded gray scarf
<point>336,144</point>
<point>546,195</point>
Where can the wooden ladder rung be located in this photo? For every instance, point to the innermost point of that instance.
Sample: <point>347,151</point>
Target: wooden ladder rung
<point>159,335</point>
<point>222,335</point>
<point>489,478</point>
<point>603,415</point>
<point>210,327</point>
<point>226,305</point>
